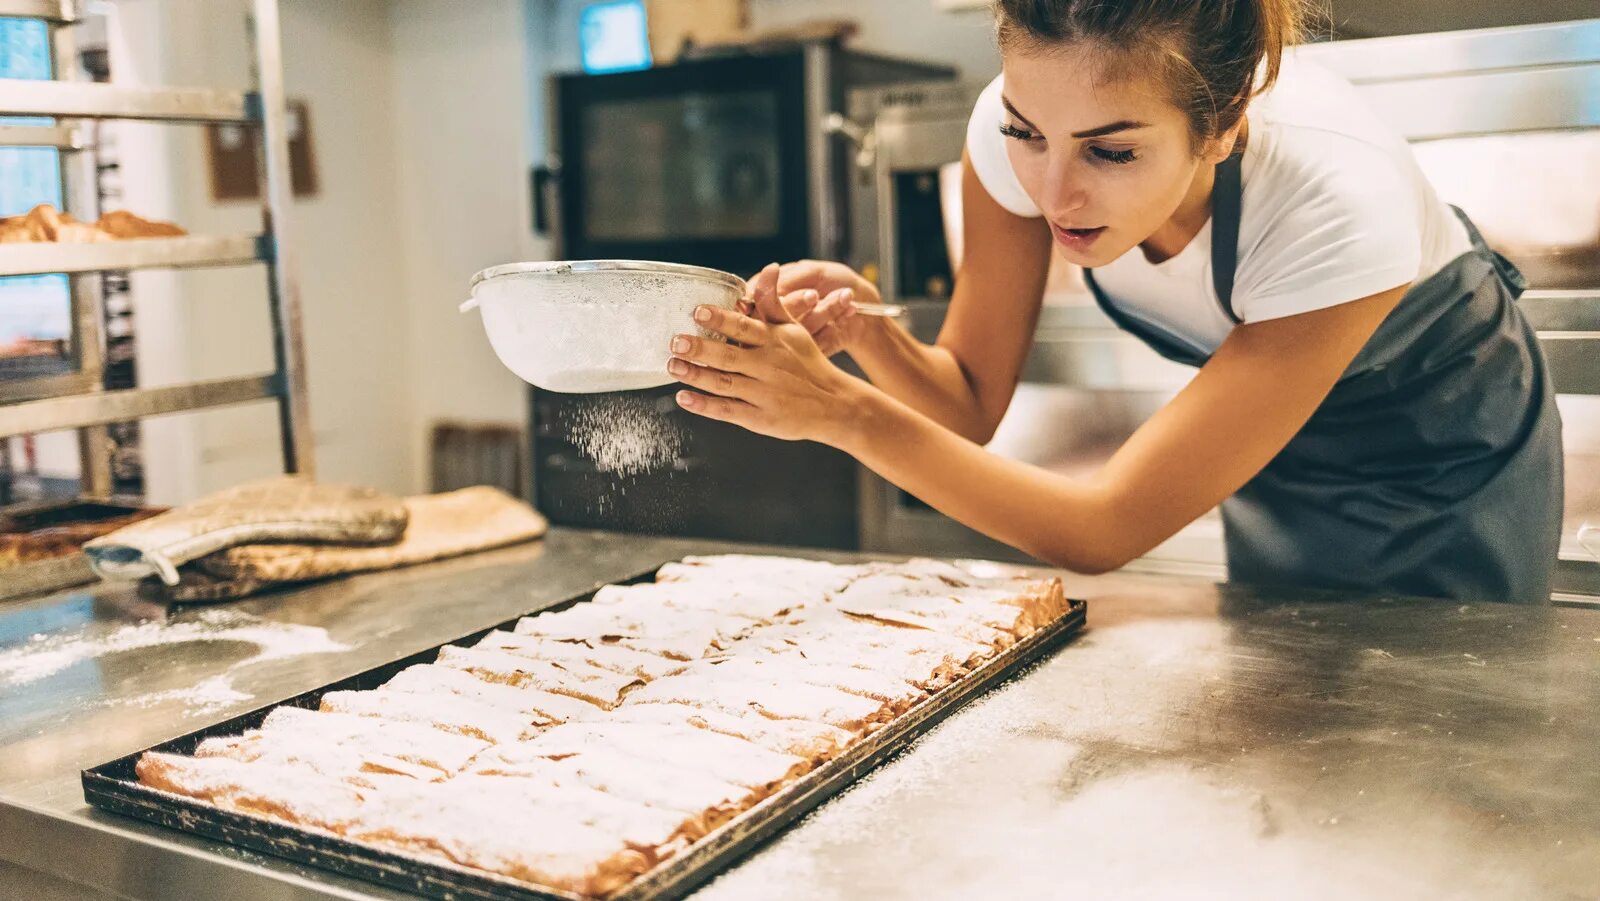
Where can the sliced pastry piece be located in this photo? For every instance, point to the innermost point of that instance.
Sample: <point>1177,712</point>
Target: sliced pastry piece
<point>977,620</point>
<point>517,830</point>
<point>450,713</point>
<point>913,667</point>
<point>613,657</point>
<point>544,707</point>
<point>808,576</point>
<point>1041,595</point>
<point>359,766</point>
<point>835,629</point>
<point>778,700</point>
<point>815,742</point>
<point>754,602</point>
<point>583,681</point>
<point>698,750</point>
<point>286,793</point>
<point>881,687</point>
<point>680,634</point>
<point>704,802</point>
<point>424,745</point>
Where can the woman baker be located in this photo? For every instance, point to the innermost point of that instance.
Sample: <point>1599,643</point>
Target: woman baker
<point>1371,410</point>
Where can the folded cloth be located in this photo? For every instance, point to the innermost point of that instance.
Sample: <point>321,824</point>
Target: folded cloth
<point>441,525</point>
<point>286,508</point>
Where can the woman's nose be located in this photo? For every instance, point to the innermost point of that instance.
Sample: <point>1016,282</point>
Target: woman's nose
<point>1063,192</point>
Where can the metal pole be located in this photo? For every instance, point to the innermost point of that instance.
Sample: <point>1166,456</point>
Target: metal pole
<point>277,195</point>
<point>80,197</point>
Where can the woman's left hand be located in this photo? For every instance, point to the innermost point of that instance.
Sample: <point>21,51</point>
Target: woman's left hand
<point>773,379</point>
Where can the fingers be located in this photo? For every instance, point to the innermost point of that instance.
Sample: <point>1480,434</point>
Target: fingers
<point>764,294</point>
<point>835,306</point>
<point>725,384</point>
<point>799,274</point>
<point>828,339</point>
<point>720,408</point>
<point>732,325</point>
<point>801,302</point>
<point>713,354</point>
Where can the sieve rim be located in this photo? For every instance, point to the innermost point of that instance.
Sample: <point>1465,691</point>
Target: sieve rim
<point>562,267</point>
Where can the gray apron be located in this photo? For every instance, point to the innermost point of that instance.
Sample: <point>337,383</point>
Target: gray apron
<point>1433,468</point>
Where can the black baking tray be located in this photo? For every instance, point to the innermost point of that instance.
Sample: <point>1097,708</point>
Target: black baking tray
<point>114,787</point>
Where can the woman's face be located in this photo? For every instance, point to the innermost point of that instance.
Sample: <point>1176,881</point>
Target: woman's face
<point>1108,161</point>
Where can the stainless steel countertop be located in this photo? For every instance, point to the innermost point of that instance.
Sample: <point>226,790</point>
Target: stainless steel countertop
<point>1210,740</point>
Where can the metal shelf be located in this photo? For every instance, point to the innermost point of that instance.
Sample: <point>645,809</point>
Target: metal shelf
<point>70,381</point>
<point>108,407</point>
<point>58,11</point>
<point>63,137</point>
<point>55,402</point>
<point>135,253</point>
<point>86,100</point>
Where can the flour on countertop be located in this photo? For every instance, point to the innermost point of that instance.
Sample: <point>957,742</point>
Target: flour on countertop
<point>47,655</point>
<point>209,696</point>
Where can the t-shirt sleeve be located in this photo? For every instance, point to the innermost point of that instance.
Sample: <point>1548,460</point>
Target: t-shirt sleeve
<point>986,148</point>
<point>1336,224</point>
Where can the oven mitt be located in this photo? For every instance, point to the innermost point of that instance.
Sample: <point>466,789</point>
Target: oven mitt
<point>282,509</point>
<point>442,525</point>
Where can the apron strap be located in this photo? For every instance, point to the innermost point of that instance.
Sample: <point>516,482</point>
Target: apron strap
<point>1226,194</point>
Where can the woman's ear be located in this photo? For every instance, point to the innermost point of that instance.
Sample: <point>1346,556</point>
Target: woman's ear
<point>1226,144</point>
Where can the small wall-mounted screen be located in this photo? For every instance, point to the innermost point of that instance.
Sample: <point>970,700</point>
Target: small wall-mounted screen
<point>613,37</point>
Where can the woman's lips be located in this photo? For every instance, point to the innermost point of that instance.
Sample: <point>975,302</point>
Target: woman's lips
<point>1076,238</point>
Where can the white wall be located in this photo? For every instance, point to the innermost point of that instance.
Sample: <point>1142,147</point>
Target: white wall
<point>421,126</point>
<point>914,29</point>
<point>209,324</point>
<point>462,131</point>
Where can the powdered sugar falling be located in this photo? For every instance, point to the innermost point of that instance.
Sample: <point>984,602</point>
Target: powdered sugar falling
<point>625,435</point>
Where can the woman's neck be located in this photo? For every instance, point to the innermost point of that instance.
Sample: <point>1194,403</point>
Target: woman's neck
<point>1191,215</point>
<point>1193,211</point>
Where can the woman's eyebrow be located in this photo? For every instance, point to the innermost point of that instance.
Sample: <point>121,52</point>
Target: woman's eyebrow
<point>1114,127</point>
<point>1101,131</point>
<point>1013,111</point>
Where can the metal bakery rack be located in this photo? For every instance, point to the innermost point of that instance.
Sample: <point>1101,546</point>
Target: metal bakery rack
<point>77,399</point>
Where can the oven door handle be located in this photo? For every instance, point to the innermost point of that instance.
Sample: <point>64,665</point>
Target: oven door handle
<point>863,138</point>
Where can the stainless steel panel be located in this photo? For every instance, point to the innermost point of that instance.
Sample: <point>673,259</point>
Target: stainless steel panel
<point>64,137</point>
<point>1493,103</point>
<point>20,97</point>
<point>62,11</point>
<point>1329,739</point>
<point>121,406</point>
<point>139,253</point>
<point>1485,50</point>
<point>816,63</point>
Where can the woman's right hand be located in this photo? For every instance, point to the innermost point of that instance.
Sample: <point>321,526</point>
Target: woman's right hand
<point>822,296</point>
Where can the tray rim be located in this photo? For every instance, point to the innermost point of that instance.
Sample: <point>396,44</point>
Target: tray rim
<point>105,787</point>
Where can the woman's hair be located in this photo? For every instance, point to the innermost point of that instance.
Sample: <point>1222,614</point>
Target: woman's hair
<point>1206,52</point>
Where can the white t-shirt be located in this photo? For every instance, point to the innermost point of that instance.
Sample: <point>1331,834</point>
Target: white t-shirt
<point>1334,209</point>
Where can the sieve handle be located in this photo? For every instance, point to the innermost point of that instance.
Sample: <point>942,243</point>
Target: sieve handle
<point>468,305</point>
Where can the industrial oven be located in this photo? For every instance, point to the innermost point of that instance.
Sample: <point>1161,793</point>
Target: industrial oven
<point>724,161</point>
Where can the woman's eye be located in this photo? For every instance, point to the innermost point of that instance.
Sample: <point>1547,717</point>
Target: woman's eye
<point>1021,134</point>
<point>1113,156</point>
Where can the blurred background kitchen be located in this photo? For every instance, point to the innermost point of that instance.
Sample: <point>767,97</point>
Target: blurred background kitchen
<point>429,139</point>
